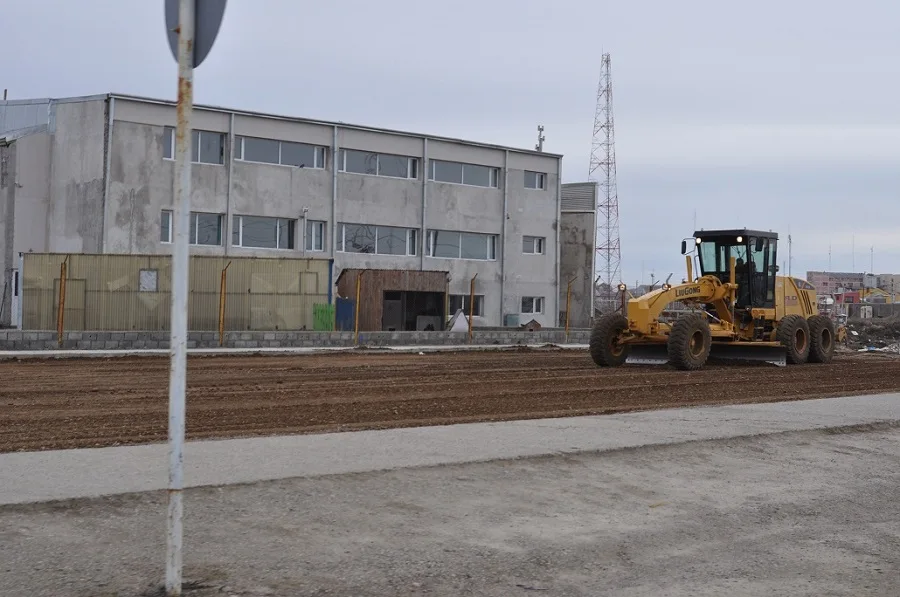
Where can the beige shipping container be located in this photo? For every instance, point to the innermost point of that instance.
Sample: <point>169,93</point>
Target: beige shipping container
<point>133,292</point>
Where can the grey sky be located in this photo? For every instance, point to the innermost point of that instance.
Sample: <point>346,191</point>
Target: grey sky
<point>769,114</point>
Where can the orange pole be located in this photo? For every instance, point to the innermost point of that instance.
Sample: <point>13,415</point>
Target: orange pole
<point>61,309</point>
<point>568,306</point>
<point>222,306</point>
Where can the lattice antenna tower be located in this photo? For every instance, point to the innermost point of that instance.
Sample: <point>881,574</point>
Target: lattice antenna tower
<point>603,171</point>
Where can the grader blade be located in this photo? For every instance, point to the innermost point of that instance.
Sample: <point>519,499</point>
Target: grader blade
<point>748,352</point>
<point>647,354</point>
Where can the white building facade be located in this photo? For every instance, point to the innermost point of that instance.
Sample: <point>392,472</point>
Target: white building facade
<point>96,175</point>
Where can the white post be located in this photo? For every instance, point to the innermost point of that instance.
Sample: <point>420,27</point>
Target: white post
<point>178,343</point>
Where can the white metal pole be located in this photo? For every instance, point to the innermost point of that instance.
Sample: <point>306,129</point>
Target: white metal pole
<point>178,343</point>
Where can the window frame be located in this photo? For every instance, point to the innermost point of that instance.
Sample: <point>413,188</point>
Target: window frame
<point>238,227</point>
<point>195,145</point>
<point>493,175</point>
<point>320,152</point>
<point>535,300</point>
<point>307,243</point>
<point>412,164</point>
<point>464,300</point>
<point>171,217</point>
<point>412,240</point>
<point>490,245</point>
<point>535,241</point>
<point>195,224</point>
<point>540,180</point>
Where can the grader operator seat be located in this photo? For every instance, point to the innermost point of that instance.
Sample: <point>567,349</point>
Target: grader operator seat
<point>755,254</point>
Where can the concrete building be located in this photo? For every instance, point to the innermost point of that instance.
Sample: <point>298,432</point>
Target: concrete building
<point>95,175</point>
<point>578,230</point>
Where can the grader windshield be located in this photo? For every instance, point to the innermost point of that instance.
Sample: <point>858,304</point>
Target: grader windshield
<point>755,256</point>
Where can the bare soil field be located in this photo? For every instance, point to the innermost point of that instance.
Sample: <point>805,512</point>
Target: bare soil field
<point>91,402</point>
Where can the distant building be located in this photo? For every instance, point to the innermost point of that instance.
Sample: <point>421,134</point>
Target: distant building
<point>890,283</point>
<point>832,282</point>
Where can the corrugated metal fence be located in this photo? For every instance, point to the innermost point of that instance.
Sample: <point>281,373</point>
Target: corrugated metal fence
<point>133,292</point>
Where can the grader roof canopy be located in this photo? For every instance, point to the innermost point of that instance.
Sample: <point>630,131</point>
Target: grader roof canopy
<point>745,232</point>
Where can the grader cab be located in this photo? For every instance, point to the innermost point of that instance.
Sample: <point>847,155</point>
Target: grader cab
<point>738,308</point>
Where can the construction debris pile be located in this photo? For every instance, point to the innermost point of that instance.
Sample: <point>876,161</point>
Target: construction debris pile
<point>876,335</point>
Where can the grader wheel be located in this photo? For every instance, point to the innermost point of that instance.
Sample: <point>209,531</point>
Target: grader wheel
<point>605,350</point>
<point>821,339</point>
<point>689,342</point>
<point>793,334</point>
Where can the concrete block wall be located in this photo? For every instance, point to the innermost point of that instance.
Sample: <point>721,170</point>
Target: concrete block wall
<point>47,340</point>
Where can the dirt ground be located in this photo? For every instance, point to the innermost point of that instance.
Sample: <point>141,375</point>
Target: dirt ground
<point>78,403</point>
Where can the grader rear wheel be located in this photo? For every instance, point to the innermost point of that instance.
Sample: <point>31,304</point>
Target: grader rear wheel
<point>821,339</point>
<point>606,351</point>
<point>689,342</point>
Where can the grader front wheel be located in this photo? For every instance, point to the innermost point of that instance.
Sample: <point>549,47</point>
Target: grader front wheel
<point>605,348</point>
<point>793,334</point>
<point>689,342</point>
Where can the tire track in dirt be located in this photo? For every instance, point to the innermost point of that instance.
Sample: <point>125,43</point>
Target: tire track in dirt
<point>74,403</point>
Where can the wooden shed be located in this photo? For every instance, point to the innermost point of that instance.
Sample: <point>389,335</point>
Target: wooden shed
<point>397,300</point>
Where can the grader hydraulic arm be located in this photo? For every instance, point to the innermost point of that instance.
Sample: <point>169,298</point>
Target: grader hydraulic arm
<point>644,311</point>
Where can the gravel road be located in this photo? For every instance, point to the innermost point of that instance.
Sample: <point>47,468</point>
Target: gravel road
<point>799,514</point>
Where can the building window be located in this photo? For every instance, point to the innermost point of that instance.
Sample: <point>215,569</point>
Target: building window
<point>379,240</point>
<point>535,180</point>
<point>447,244</point>
<point>468,174</point>
<point>532,304</point>
<point>533,245</point>
<point>165,226</point>
<point>206,228</point>
<point>169,143</point>
<point>207,147</point>
<point>378,164</point>
<point>263,233</point>
<point>315,235</point>
<point>285,153</point>
<point>462,301</point>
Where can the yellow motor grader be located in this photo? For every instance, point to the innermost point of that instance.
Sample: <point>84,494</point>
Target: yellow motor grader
<point>737,309</point>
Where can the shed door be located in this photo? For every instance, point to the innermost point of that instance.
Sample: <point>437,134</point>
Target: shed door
<point>392,315</point>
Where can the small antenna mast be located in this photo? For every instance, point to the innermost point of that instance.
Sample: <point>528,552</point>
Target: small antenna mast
<point>790,247</point>
<point>541,138</point>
